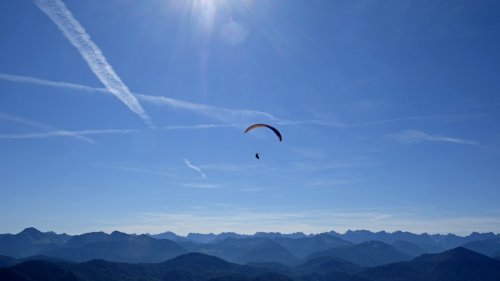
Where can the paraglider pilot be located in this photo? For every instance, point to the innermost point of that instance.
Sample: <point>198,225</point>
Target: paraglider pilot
<point>278,134</point>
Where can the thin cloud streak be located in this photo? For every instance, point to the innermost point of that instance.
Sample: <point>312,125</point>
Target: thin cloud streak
<point>196,127</point>
<point>48,83</point>
<point>80,134</point>
<point>413,136</point>
<point>232,117</point>
<point>76,34</point>
<point>219,112</point>
<point>202,185</point>
<point>223,114</point>
<point>90,132</point>
<point>53,131</point>
<point>142,170</point>
<point>243,221</point>
<point>198,169</point>
<point>230,167</point>
<point>60,133</point>
<point>318,122</point>
<point>443,118</point>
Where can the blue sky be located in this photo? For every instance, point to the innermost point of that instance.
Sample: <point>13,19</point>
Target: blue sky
<point>129,115</point>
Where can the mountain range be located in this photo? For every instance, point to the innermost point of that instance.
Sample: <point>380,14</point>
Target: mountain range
<point>352,256</point>
<point>364,248</point>
<point>458,264</point>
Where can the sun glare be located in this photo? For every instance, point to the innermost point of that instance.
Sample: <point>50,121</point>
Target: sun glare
<point>205,12</point>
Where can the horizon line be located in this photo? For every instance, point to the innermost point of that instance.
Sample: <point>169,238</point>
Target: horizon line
<point>259,232</point>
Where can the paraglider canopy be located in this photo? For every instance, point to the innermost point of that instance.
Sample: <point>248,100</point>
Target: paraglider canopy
<point>278,134</point>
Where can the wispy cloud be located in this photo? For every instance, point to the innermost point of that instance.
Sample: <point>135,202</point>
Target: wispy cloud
<point>48,83</point>
<point>106,131</point>
<point>413,136</point>
<point>52,133</point>
<point>202,185</point>
<point>218,220</point>
<point>223,114</point>
<point>438,117</point>
<point>76,34</point>
<point>231,117</point>
<point>230,167</point>
<point>165,172</point>
<point>234,117</point>
<point>320,122</point>
<point>196,127</point>
<point>61,133</point>
<point>196,168</point>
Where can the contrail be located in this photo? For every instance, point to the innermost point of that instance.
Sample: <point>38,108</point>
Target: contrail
<point>198,169</point>
<point>223,114</point>
<point>90,132</point>
<point>76,34</point>
<point>196,127</point>
<point>226,115</point>
<point>53,131</point>
<point>56,84</point>
<point>60,133</point>
<point>418,136</point>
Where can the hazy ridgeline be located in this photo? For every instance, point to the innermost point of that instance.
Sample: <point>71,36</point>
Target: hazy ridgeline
<point>354,255</point>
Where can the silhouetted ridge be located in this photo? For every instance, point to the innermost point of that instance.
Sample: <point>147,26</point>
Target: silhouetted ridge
<point>267,251</point>
<point>279,234</point>
<point>457,255</point>
<point>409,248</point>
<point>31,232</point>
<point>119,247</point>
<point>41,270</point>
<point>371,253</point>
<point>198,261</point>
<point>302,247</point>
<point>86,238</point>
<point>489,247</point>
<point>168,235</point>
<point>458,264</point>
<point>263,247</point>
<point>324,264</point>
<point>119,235</point>
<point>201,238</point>
<point>30,242</point>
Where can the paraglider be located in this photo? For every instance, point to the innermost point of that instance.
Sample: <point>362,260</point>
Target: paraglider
<point>278,134</point>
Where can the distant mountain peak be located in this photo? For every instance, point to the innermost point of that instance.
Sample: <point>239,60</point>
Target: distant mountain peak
<point>197,261</point>
<point>455,264</point>
<point>279,234</point>
<point>463,252</point>
<point>374,243</point>
<point>459,253</point>
<point>31,231</point>
<point>196,256</point>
